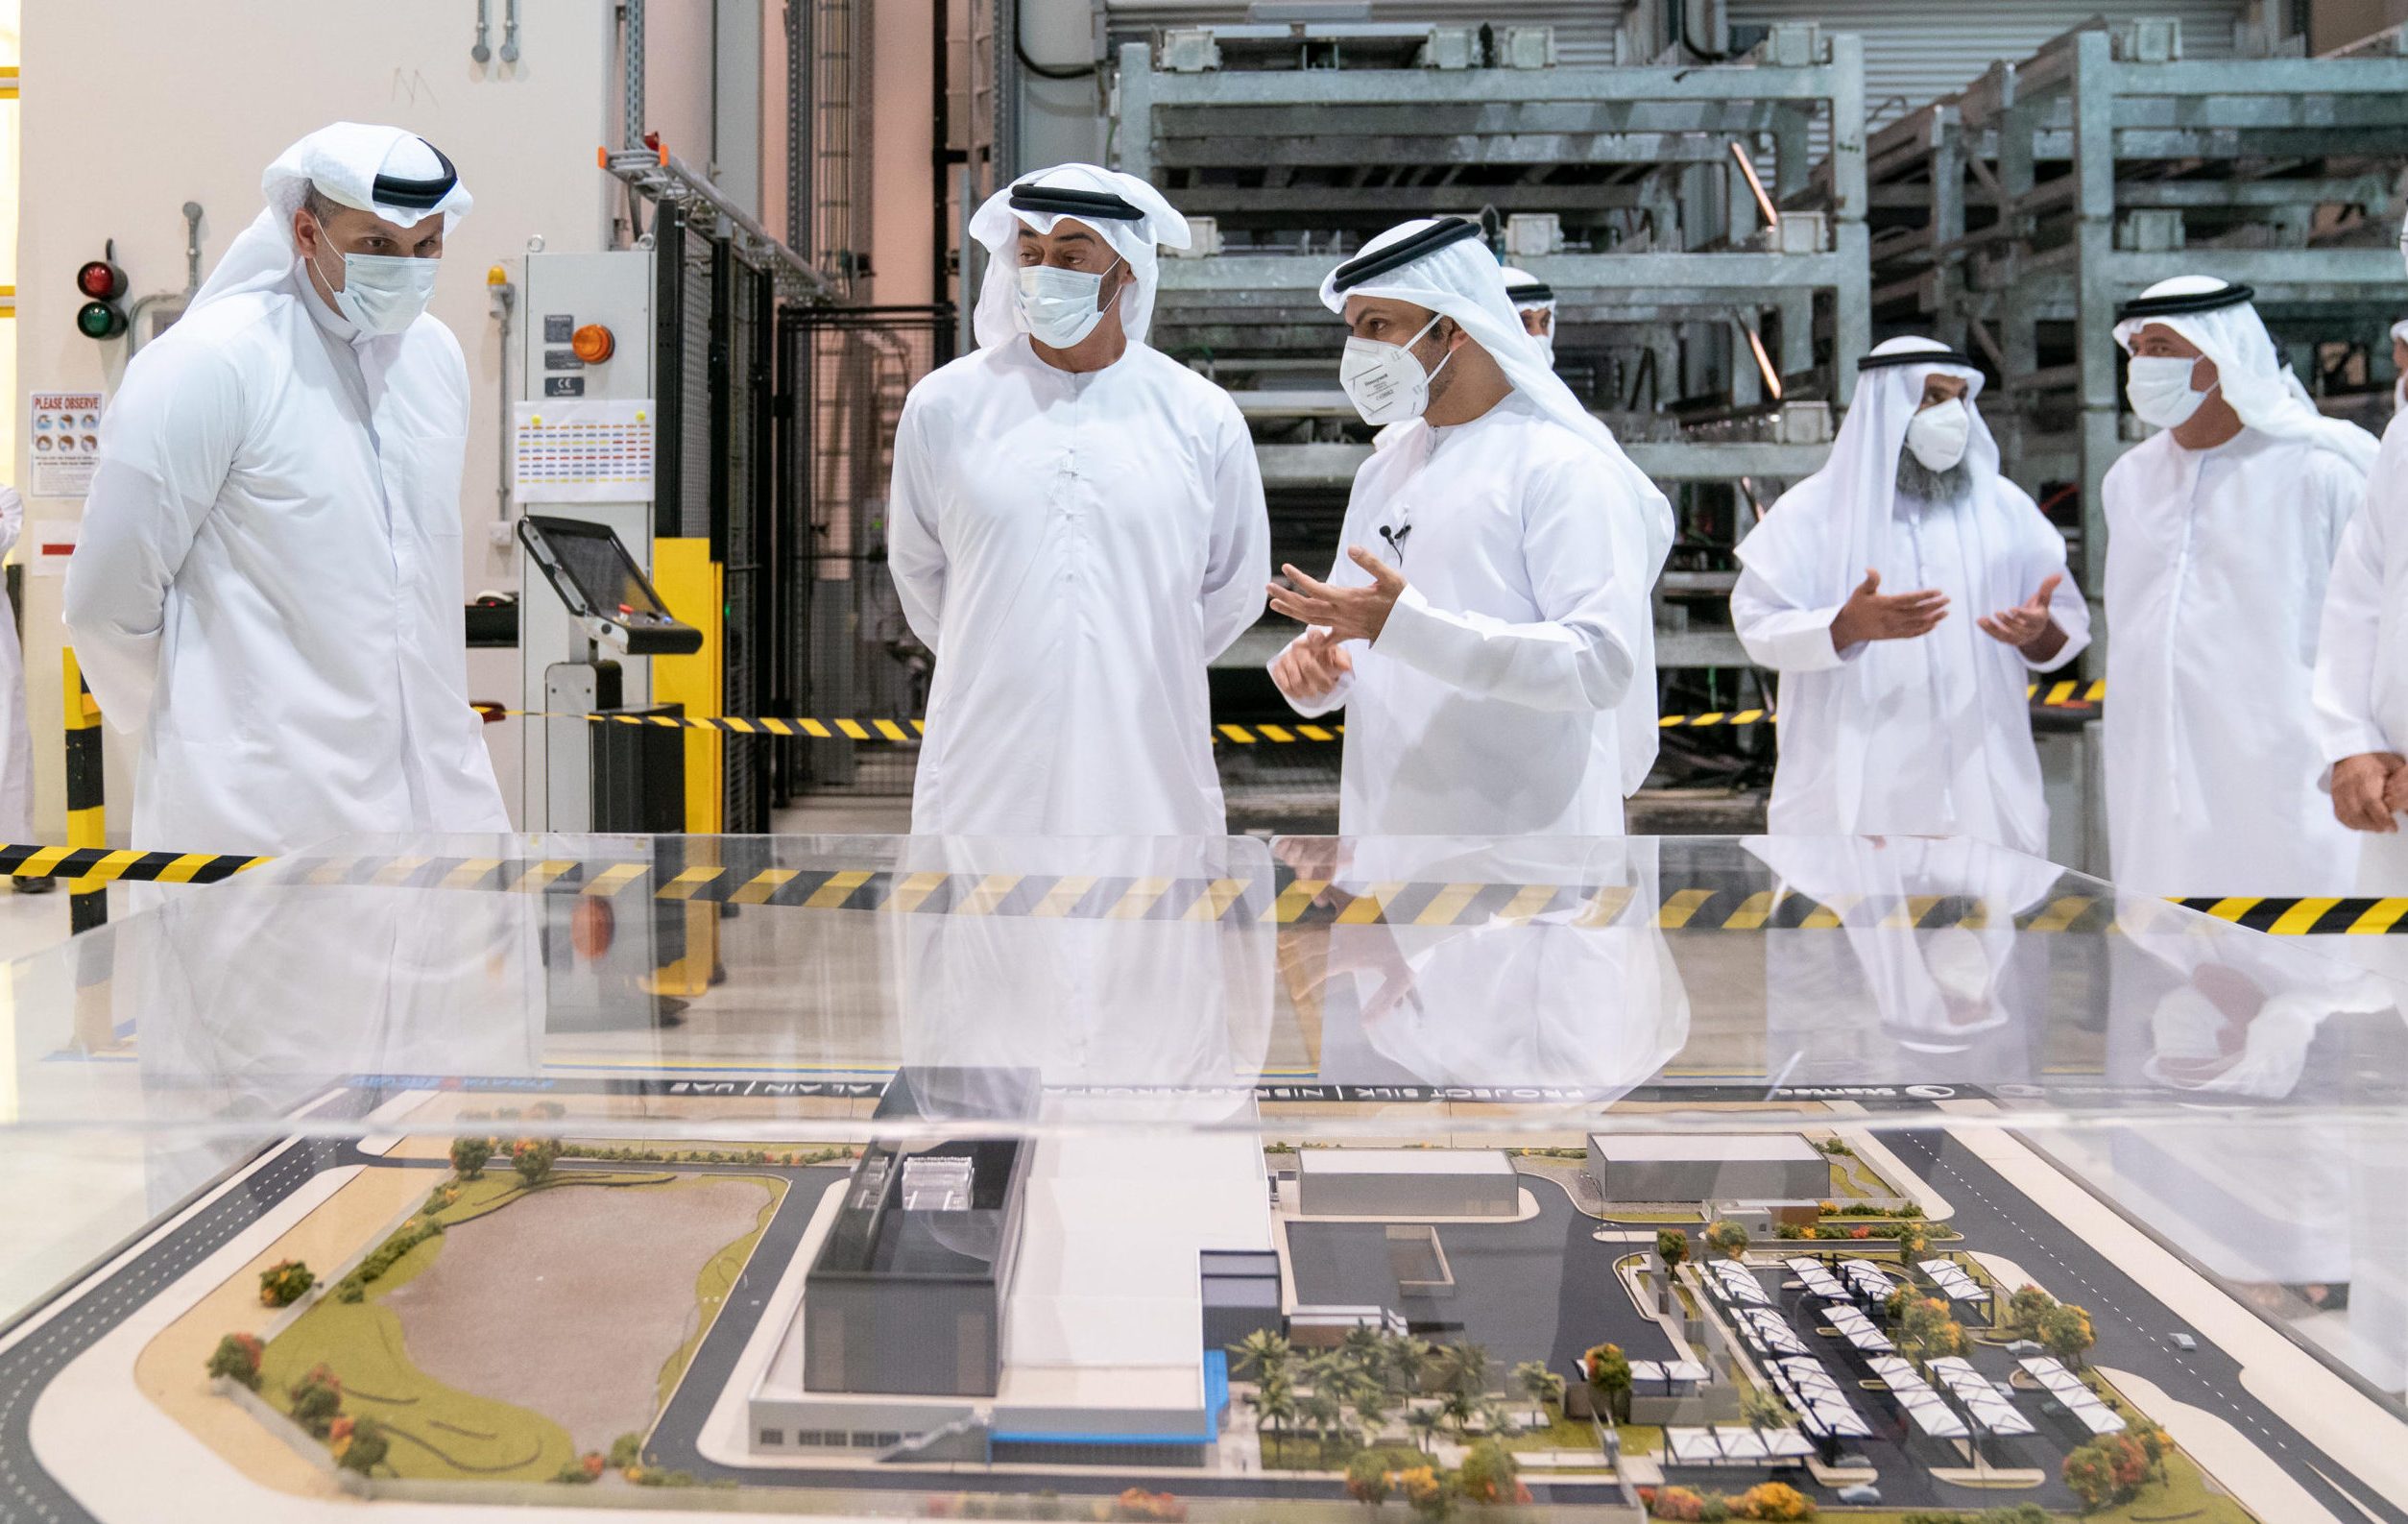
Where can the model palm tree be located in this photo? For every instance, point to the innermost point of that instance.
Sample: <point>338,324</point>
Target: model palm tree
<point>1322,1409</point>
<point>1262,1354</point>
<point>1408,1359</point>
<point>1459,1408</point>
<point>1424,1420</point>
<point>1274,1404</point>
<point>1540,1385</point>
<point>1463,1367</point>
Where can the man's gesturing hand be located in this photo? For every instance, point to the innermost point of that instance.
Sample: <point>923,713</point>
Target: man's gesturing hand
<point>1868,616</point>
<point>1348,614</point>
<point>2359,788</point>
<point>1312,665</point>
<point>2027,621</point>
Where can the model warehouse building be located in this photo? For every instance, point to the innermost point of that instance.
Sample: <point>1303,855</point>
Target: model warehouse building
<point>1707,1166</point>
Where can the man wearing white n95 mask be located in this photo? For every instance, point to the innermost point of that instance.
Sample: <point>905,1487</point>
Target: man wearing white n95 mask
<point>1488,627</point>
<point>1904,592</point>
<point>1077,530</point>
<point>269,579</point>
<point>2221,537</point>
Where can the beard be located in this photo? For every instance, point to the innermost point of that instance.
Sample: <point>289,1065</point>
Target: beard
<point>1944,488</point>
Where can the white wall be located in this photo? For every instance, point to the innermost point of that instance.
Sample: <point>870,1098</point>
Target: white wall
<point>132,107</point>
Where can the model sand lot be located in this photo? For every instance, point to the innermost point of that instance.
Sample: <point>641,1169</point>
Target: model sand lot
<point>573,1301</point>
<point>541,1324</point>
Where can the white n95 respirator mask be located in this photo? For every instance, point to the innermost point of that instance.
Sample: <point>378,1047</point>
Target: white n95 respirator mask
<point>1937,435</point>
<point>2159,387</point>
<point>1383,381</point>
<point>1060,306</point>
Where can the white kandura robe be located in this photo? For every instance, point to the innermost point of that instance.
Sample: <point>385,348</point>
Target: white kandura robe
<point>2362,654</point>
<point>2216,567</point>
<point>1929,736</point>
<point>1486,706</point>
<point>1076,548</point>
<point>16,737</point>
<point>268,584</point>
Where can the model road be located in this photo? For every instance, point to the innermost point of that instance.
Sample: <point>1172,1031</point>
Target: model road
<point>27,1492</point>
<point>2134,1327</point>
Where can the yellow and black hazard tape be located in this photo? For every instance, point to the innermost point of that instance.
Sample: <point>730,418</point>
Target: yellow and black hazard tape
<point>1283,897</point>
<point>2066,694</point>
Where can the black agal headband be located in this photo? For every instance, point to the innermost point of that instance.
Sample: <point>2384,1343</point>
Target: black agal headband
<point>418,195</point>
<point>1083,205</point>
<point>1884,362</point>
<point>1430,240</point>
<point>2185,304</point>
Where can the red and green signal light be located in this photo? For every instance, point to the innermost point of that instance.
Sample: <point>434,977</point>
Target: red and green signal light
<point>102,284</point>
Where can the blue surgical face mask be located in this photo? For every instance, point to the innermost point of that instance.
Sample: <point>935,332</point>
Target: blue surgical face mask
<point>381,293</point>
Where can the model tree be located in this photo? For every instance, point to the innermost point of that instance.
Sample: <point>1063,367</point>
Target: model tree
<point>315,1400</point>
<point>1487,1474</point>
<point>2089,1474</point>
<point>1728,1237</point>
<point>1425,1422</point>
<point>1774,1500</point>
<point>1367,1479</point>
<point>1540,1385</point>
<point>1609,1377</point>
<point>533,1158</point>
<point>1762,1408</point>
<point>284,1283</point>
<point>470,1156</point>
<point>1672,1246</point>
<point>2065,1332</point>
<point>236,1358</point>
<point>1926,1328</point>
<point>2025,1310</point>
<point>1914,1240</point>
<point>364,1448</point>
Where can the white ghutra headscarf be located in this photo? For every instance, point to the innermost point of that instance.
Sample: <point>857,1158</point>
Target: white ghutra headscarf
<point>389,171</point>
<point>1128,213</point>
<point>2216,316</point>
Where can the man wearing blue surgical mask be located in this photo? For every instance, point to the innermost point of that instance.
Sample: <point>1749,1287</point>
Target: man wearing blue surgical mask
<point>1076,529</point>
<point>268,587</point>
<point>2222,530</point>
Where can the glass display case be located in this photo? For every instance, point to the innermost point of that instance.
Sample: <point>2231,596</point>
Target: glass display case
<point>1777,1177</point>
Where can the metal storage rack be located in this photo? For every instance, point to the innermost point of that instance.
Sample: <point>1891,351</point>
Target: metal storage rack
<point>2011,220</point>
<point>1618,185</point>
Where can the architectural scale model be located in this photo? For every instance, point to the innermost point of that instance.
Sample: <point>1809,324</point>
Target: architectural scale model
<point>466,1311</point>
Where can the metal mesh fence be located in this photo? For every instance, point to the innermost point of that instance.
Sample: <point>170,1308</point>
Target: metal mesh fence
<point>846,372</point>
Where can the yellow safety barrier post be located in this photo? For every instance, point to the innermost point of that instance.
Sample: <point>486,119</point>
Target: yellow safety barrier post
<point>87,825</point>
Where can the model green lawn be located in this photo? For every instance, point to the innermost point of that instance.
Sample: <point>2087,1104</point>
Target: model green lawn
<point>437,1431</point>
<point>710,1292</point>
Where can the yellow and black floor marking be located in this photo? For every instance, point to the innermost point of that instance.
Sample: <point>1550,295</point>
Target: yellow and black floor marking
<point>2067,694</point>
<point>749,877</point>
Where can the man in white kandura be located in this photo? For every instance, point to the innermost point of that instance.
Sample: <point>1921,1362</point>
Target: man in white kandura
<point>2362,667</point>
<point>1534,303</point>
<point>269,583</point>
<point>1488,627</point>
<point>1077,530</point>
<point>1903,712</point>
<point>2220,535</point>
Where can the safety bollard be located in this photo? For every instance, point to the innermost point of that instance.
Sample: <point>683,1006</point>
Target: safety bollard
<point>87,899</point>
